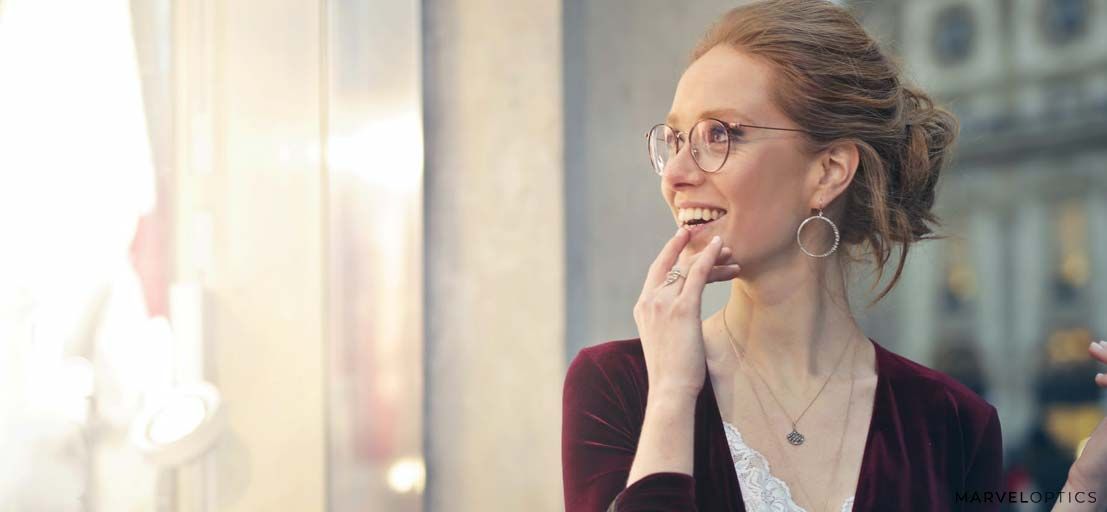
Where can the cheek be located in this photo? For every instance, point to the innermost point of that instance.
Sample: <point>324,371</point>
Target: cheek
<point>762,225</point>
<point>765,207</point>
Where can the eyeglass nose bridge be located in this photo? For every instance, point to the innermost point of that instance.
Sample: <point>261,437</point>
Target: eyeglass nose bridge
<point>682,140</point>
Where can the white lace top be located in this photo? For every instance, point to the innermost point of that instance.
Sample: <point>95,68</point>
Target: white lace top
<point>761,491</point>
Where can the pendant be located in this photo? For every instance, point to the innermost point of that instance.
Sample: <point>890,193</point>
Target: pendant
<point>795,438</point>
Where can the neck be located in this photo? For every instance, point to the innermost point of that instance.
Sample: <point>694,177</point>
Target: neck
<point>793,325</point>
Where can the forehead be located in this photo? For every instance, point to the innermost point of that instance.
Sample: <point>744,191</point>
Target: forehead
<point>724,83</point>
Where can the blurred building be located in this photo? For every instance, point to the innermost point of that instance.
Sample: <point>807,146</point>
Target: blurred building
<point>1021,288</point>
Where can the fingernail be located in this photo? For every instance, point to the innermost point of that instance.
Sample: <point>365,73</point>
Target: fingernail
<point>715,239</point>
<point>1097,344</point>
<point>1098,375</point>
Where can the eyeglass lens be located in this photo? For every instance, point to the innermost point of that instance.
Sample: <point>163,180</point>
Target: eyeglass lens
<point>710,144</point>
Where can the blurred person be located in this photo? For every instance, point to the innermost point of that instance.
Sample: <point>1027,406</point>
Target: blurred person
<point>791,132</point>
<point>1067,407</point>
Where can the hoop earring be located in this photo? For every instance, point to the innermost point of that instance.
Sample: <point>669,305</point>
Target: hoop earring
<point>832,226</point>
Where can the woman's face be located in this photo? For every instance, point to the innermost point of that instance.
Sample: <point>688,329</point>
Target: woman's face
<point>765,184</point>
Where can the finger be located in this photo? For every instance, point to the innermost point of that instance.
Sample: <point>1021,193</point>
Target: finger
<point>724,256</point>
<point>665,259</point>
<point>1098,350</point>
<point>687,258</point>
<point>684,261</point>
<point>697,275</point>
<point>723,272</point>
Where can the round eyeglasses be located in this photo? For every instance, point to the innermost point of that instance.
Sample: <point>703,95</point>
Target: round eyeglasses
<point>710,142</point>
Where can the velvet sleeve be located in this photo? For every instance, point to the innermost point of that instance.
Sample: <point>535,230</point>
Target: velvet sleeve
<point>599,437</point>
<point>985,464</point>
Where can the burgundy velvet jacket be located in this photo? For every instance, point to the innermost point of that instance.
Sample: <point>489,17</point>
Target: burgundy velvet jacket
<point>930,439</point>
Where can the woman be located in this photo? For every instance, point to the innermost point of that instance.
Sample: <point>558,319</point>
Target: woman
<point>789,120</point>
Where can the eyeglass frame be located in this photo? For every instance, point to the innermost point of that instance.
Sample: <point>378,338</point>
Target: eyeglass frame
<point>730,126</point>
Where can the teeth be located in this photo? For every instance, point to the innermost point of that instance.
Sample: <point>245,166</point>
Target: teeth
<point>687,214</point>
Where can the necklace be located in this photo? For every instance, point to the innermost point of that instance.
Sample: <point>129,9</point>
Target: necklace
<point>841,441</point>
<point>794,437</point>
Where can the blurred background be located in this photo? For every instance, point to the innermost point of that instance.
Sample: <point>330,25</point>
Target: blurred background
<point>336,254</point>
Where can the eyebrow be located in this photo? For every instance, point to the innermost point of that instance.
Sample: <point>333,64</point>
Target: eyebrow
<point>672,119</point>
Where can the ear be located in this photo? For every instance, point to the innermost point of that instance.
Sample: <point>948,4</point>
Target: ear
<point>836,166</point>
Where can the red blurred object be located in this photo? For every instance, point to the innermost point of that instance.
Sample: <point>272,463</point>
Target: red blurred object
<point>149,256</point>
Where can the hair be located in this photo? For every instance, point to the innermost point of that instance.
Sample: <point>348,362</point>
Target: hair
<point>834,81</point>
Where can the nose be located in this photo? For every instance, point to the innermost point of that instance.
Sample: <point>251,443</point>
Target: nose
<point>682,170</point>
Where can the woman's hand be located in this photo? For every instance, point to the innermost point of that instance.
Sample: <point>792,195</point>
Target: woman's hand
<point>668,316</point>
<point>1089,472</point>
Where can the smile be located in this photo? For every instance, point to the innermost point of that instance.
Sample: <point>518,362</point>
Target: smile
<point>698,219</point>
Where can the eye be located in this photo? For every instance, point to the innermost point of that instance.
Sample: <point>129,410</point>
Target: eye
<point>719,135</point>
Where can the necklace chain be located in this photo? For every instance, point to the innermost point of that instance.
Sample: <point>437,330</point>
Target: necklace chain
<point>845,426</point>
<point>794,437</point>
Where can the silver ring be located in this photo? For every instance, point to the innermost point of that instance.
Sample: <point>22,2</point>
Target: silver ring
<point>672,276</point>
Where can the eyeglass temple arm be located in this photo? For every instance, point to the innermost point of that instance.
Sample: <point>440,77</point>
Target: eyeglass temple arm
<point>739,125</point>
<point>735,126</point>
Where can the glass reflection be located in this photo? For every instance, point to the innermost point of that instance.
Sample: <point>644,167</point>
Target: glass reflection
<point>374,158</point>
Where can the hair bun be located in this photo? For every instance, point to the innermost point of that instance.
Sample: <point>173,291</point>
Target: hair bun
<point>930,132</point>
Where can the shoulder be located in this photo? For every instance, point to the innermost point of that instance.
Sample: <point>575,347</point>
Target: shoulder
<point>618,364</point>
<point>607,383</point>
<point>613,353</point>
<point>933,392</point>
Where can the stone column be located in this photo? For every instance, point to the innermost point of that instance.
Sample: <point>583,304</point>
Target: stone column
<point>1032,246</point>
<point>495,256</point>
<point>986,234</point>
<point>918,314</point>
